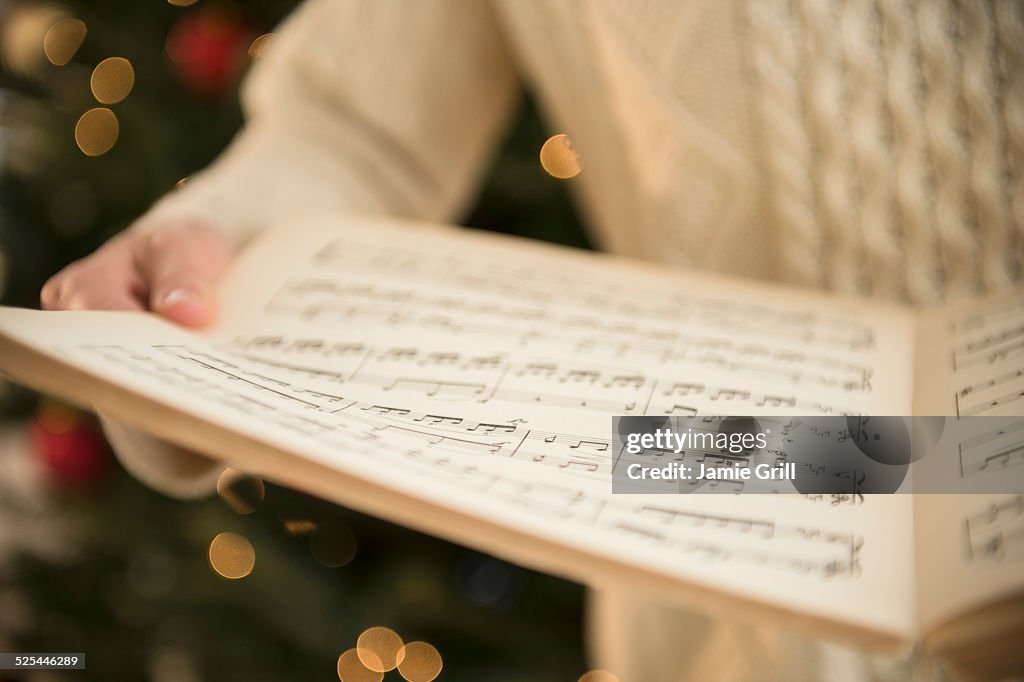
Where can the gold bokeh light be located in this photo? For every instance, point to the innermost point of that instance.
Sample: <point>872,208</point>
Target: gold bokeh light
<point>112,80</point>
<point>260,45</point>
<point>239,491</point>
<point>420,662</point>
<point>182,3</point>
<point>23,29</point>
<point>558,157</point>
<point>380,649</point>
<point>299,526</point>
<point>63,39</point>
<point>351,669</point>
<point>598,676</point>
<point>97,131</point>
<point>232,556</point>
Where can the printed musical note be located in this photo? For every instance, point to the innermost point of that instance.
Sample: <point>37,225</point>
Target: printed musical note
<point>997,533</point>
<point>998,448</point>
<point>988,360</point>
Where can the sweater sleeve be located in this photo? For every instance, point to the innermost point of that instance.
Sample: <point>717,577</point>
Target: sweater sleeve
<point>369,106</point>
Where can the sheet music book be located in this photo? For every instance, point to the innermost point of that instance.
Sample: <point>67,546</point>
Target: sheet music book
<point>462,384</point>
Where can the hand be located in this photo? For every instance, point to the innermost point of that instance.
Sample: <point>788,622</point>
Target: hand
<point>170,270</point>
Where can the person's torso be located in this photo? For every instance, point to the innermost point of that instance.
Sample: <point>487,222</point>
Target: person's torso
<point>873,147</point>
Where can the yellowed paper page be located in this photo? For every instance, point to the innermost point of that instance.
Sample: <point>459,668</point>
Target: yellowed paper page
<point>971,547</point>
<point>477,375</point>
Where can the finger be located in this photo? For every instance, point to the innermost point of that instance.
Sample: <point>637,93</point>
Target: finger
<point>101,299</point>
<point>181,265</point>
<point>49,297</point>
<point>99,283</point>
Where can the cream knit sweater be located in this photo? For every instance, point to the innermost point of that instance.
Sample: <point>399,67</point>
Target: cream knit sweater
<point>869,146</point>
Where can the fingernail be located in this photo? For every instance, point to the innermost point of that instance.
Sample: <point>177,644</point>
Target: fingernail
<point>175,296</point>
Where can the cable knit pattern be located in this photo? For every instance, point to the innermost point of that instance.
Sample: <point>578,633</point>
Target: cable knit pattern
<point>870,141</point>
<point>790,193</point>
<point>825,95</point>
<point>986,160</point>
<point>903,104</point>
<point>942,119</point>
<point>894,137</point>
<point>1009,18</point>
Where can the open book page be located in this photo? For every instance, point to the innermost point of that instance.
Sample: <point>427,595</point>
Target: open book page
<point>971,363</point>
<point>478,374</point>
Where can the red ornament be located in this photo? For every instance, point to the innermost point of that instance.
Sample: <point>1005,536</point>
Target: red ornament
<point>208,50</point>
<point>70,446</point>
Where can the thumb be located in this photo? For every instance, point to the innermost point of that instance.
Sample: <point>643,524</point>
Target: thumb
<point>181,263</point>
